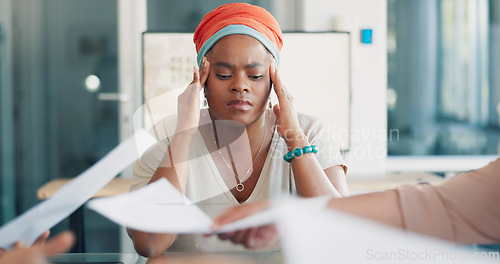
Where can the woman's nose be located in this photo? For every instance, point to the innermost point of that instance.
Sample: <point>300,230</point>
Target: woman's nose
<point>240,84</point>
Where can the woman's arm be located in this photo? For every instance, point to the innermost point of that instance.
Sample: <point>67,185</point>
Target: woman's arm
<point>310,179</point>
<point>337,177</point>
<point>150,244</point>
<point>153,244</point>
<point>174,165</point>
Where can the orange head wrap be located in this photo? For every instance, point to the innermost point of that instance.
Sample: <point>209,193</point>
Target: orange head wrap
<point>238,18</point>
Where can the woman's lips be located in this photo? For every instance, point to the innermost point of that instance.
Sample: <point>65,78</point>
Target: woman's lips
<point>240,104</point>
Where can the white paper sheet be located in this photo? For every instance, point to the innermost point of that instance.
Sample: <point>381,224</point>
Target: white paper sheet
<point>31,224</point>
<point>333,237</point>
<point>160,208</point>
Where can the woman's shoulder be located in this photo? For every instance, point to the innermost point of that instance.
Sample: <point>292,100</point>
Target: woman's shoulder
<point>308,122</point>
<point>164,127</point>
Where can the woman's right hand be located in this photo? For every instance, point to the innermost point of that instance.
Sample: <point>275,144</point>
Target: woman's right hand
<point>188,103</point>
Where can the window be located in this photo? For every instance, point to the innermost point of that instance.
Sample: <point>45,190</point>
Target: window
<point>58,124</point>
<point>443,87</point>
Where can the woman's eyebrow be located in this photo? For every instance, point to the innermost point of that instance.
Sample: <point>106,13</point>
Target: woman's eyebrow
<point>253,65</point>
<point>224,64</point>
<point>230,66</point>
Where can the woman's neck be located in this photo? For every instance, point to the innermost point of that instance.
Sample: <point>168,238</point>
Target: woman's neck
<point>256,131</point>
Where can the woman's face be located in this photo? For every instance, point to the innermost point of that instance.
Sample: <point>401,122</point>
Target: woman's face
<point>239,84</point>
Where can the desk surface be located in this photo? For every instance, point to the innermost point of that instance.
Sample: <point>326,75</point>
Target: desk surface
<point>389,181</point>
<point>116,186</point>
<point>96,258</point>
<point>250,257</point>
<point>356,184</point>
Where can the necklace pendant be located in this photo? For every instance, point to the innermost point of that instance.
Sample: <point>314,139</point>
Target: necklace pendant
<point>240,187</point>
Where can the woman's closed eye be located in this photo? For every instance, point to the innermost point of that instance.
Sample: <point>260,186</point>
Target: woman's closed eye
<point>228,76</point>
<point>223,76</point>
<point>256,77</point>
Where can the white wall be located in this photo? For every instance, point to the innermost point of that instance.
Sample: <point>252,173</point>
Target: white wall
<point>131,23</point>
<point>369,76</point>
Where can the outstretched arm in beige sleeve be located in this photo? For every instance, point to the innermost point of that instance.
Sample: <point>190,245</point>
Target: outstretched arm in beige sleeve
<point>463,209</point>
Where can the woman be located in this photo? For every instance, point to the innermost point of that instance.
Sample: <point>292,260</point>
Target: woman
<point>233,152</point>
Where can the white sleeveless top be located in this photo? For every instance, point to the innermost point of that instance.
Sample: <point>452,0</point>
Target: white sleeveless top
<point>206,187</point>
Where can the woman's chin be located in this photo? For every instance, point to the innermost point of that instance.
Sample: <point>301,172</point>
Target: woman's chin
<point>237,117</point>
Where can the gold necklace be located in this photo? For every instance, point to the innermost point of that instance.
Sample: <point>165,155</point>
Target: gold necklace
<point>239,186</point>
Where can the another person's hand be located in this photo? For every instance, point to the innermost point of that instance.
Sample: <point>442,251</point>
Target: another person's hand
<point>40,241</point>
<point>253,238</point>
<point>188,103</point>
<point>39,251</point>
<point>288,126</point>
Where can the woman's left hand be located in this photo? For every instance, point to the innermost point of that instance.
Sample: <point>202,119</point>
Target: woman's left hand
<point>288,126</point>
<point>252,238</point>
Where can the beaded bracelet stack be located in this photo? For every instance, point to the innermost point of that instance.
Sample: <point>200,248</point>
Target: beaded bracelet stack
<point>299,151</point>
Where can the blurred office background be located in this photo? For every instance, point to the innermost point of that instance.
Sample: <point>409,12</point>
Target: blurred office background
<point>429,82</point>
<point>443,77</point>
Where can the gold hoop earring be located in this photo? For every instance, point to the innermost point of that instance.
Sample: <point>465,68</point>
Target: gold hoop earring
<point>270,103</point>
<point>205,103</point>
<point>204,106</point>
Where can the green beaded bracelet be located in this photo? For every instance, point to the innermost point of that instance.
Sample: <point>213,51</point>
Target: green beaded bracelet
<point>299,151</point>
<point>288,156</point>
<point>307,149</point>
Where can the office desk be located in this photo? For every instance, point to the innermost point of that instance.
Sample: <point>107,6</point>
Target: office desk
<point>108,258</point>
<point>76,219</point>
<point>167,258</point>
<point>363,184</point>
<point>116,186</point>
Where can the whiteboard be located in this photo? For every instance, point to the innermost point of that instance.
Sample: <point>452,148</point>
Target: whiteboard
<point>315,68</point>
